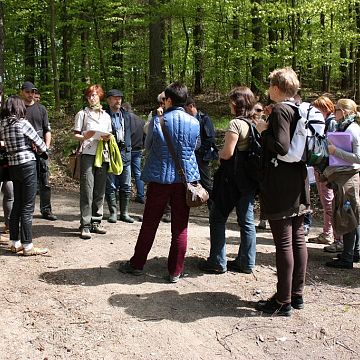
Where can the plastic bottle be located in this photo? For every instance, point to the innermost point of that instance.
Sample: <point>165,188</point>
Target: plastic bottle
<point>347,205</point>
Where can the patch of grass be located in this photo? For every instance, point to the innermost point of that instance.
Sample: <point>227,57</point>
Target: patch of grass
<point>222,122</point>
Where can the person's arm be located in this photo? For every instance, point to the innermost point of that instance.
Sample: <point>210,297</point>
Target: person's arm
<point>47,139</point>
<point>228,149</point>
<point>278,141</point>
<point>149,134</point>
<point>30,132</point>
<point>352,157</point>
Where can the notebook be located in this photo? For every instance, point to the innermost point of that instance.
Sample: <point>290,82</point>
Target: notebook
<point>342,140</point>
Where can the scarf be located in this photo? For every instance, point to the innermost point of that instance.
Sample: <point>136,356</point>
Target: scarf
<point>95,107</point>
<point>346,122</point>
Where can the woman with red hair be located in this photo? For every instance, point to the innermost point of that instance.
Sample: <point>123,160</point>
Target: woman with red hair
<point>91,124</point>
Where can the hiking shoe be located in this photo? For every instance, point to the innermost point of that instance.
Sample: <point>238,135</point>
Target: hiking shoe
<point>35,251</point>
<point>234,266</point>
<point>127,268</point>
<point>321,239</point>
<point>356,257</point>
<point>272,307</point>
<point>49,216</point>
<point>205,266</point>
<point>166,218</point>
<point>335,247</point>
<point>97,228</point>
<point>85,233</point>
<point>340,264</point>
<point>174,279</point>
<point>297,302</point>
<point>261,225</point>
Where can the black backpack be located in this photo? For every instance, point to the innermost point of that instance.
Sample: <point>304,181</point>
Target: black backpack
<point>249,162</point>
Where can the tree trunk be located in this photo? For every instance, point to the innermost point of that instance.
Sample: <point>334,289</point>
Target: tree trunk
<point>156,50</point>
<point>29,53</point>
<point>357,64</point>
<point>257,69</point>
<point>118,56</point>
<point>98,39</point>
<point>66,31</point>
<point>170,50</point>
<point>53,54</point>
<point>186,52</point>
<point>2,50</point>
<point>199,49</point>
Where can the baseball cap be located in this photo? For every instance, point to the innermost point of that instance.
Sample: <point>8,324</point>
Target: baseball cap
<point>114,92</point>
<point>28,85</point>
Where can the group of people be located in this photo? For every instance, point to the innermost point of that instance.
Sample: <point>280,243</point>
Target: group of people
<point>108,138</point>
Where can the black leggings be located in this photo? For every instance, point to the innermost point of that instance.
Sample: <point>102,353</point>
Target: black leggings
<point>291,257</point>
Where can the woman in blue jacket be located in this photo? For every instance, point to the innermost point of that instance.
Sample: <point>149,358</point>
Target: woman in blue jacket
<point>165,184</point>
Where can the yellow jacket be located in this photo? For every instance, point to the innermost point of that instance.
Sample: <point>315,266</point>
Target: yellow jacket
<point>115,164</point>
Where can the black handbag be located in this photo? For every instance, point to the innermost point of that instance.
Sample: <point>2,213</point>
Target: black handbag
<point>196,195</point>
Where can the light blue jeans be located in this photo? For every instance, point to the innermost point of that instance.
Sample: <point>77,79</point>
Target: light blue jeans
<point>247,249</point>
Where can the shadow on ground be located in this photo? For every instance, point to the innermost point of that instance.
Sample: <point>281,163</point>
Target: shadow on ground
<point>183,308</point>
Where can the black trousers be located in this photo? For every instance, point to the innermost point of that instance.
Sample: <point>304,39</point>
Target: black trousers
<point>42,167</point>
<point>24,180</point>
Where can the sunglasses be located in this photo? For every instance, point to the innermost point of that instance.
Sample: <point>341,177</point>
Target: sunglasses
<point>259,110</point>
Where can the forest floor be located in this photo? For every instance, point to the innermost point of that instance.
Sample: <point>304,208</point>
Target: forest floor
<point>75,304</point>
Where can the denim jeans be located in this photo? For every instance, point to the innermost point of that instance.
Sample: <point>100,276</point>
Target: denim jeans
<point>120,182</point>
<point>92,190</point>
<point>136,157</point>
<point>247,249</point>
<point>24,180</point>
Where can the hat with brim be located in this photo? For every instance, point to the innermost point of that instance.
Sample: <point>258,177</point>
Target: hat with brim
<point>28,85</point>
<point>114,92</point>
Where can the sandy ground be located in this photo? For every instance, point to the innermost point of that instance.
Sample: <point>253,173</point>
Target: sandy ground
<point>74,304</point>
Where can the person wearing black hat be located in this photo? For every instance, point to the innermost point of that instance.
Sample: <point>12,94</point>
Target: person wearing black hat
<point>120,122</point>
<point>38,118</point>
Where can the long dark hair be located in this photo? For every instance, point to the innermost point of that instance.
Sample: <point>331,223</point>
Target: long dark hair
<point>14,106</point>
<point>244,101</point>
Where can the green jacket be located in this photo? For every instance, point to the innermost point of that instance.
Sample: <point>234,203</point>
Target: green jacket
<point>115,161</point>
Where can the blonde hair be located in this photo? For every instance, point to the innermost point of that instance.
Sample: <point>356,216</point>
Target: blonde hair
<point>286,80</point>
<point>324,104</point>
<point>349,107</point>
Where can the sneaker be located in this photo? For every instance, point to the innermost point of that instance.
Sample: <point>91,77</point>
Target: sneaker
<point>321,239</point>
<point>261,225</point>
<point>356,257</point>
<point>15,249</point>
<point>272,307</point>
<point>234,266</point>
<point>205,266</point>
<point>49,216</point>
<point>335,247</point>
<point>85,233</point>
<point>297,302</point>
<point>139,200</point>
<point>174,279</point>
<point>97,228</point>
<point>340,264</point>
<point>127,268</point>
<point>166,218</point>
<point>35,251</point>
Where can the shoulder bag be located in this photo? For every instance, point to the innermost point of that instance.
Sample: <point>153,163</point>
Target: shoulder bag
<point>196,195</point>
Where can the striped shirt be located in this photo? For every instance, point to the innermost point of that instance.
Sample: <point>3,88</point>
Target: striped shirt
<point>19,137</point>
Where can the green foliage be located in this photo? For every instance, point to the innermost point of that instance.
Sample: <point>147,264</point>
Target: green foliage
<point>107,42</point>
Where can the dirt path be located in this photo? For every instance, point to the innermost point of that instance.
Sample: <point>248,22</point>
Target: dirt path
<point>74,304</point>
